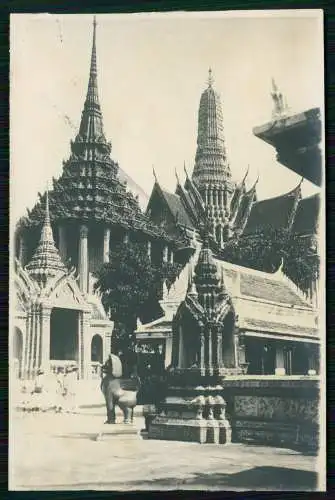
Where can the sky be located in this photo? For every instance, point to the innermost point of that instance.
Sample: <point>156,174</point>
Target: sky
<point>152,70</point>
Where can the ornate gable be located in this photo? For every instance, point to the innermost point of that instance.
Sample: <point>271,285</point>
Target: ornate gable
<point>64,292</point>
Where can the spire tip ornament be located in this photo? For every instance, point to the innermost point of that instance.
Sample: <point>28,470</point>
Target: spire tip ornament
<point>210,80</point>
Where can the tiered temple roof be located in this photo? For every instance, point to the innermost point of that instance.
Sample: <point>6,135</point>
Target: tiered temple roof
<point>211,197</point>
<point>266,303</point>
<point>89,187</point>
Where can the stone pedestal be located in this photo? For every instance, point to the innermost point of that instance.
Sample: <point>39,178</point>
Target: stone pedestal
<point>114,431</point>
<point>196,418</point>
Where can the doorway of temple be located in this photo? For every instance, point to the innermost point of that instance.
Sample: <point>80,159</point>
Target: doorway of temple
<point>64,326</point>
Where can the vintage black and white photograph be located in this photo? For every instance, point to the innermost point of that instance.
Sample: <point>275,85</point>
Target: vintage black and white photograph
<point>167,252</point>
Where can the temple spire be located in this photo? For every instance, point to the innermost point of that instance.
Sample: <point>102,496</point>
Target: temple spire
<point>211,163</point>
<point>210,80</point>
<point>91,126</point>
<point>46,261</point>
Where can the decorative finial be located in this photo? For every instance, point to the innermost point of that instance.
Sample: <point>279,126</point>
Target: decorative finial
<point>210,80</point>
<point>47,213</point>
<point>246,174</point>
<point>155,176</point>
<point>256,181</point>
<point>177,176</point>
<point>185,169</point>
<point>280,104</point>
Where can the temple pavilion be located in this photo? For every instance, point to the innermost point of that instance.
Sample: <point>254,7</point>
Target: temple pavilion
<point>277,320</point>
<point>64,239</point>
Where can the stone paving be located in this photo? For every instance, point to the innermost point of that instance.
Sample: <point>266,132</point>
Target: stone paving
<point>59,452</point>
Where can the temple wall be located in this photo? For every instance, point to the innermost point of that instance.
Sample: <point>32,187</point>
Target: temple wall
<point>274,410</point>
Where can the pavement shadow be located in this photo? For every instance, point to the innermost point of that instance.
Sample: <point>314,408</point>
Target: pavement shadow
<point>257,478</point>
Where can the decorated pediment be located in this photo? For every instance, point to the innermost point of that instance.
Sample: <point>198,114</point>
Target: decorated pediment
<point>66,293</point>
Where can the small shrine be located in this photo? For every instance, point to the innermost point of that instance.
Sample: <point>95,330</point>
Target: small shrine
<point>205,348</point>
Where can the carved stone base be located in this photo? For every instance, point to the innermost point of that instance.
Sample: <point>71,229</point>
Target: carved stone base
<point>277,434</point>
<point>112,431</point>
<point>192,430</point>
<point>178,430</point>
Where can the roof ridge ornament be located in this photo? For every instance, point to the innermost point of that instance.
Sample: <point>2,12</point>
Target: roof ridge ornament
<point>280,109</point>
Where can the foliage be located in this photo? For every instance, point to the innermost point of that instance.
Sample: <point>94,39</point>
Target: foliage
<point>131,286</point>
<point>267,248</point>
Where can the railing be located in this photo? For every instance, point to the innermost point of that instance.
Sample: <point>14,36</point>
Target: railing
<point>56,364</point>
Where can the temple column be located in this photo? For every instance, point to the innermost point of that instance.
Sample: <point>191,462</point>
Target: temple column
<point>62,242</point>
<point>210,349</point>
<point>181,348</point>
<point>32,343</point>
<point>107,234</point>
<point>84,347</point>
<point>22,251</point>
<point>165,254</point>
<point>83,258</point>
<point>219,347</point>
<point>149,250</point>
<point>280,361</point>
<point>171,256</point>
<point>202,349</point>
<point>168,351</point>
<point>311,360</point>
<point>26,353</point>
<point>206,195</point>
<point>38,352</point>
<point>45,338</point>
<point>236,343</point>
<point>210,196</point>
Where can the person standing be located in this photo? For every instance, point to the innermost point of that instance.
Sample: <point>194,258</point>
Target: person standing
<point>59,389</point>
<point>71,379</point>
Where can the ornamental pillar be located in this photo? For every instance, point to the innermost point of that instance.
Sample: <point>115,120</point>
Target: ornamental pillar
<point>210,195</point>
<point>83,258</point>
<point>62,247</point>
<point>219,347</point>
<point>171,256</point>
<point>280,361</point>
<point>107,234</point>
<point>149,250</point>
<point>22,251</point>
<point>126,238</point>
<point>206,194</point>
<point>210,349</point>
<point>165,254</point>
<point>168,351</point>
<point>26,352</point>
<point>45,338</point>
<point>84,358</point>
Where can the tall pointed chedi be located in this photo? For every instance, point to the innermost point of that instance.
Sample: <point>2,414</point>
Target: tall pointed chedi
<point>46,261</point>
<point>211,173</point>
<point>211,164</point>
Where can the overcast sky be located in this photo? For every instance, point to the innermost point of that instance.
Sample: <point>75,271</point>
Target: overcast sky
<point>151,72</point>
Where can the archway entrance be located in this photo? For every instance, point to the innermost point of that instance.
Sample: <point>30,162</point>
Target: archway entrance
<point>17,351</point>
<point>64,325</point>
<point>96,349</point>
